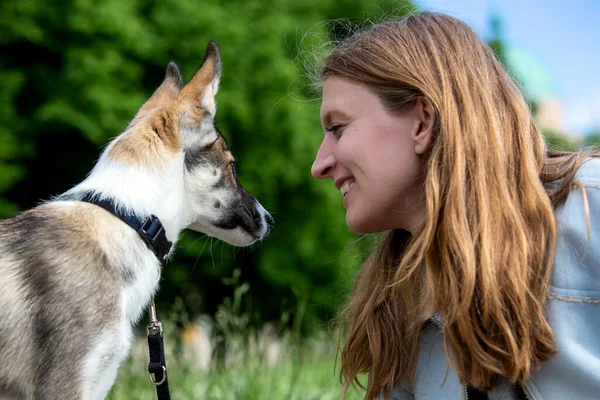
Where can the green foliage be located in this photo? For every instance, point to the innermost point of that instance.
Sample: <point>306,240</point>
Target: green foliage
<point>74,73</point>
<point>555,140</point>
<point>305,372</point>
<point>496,42</point>
<point>559,142</point>
<point>245,362</point>
<point>592,140</point>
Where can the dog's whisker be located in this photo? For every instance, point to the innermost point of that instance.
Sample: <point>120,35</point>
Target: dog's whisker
<point>248,211</point>
<point>222,247</point>
<point>201,251</point>
<point>211,253</point>
<point>197,240</point>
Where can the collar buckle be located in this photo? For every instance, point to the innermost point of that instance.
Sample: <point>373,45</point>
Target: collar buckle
<point>153,233</point>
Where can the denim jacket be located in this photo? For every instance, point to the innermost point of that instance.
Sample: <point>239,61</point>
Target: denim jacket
<point>573,312</point>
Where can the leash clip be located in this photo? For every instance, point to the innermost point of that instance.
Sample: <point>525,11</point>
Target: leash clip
<point>154,325</point>
<point>152,376</point>
<point>157,370</point>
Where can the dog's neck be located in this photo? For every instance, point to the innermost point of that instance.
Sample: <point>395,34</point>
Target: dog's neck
<point>140,190</point>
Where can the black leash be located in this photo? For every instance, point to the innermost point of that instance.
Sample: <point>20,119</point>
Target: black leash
<point>157,368</point>
<point>153,233</point>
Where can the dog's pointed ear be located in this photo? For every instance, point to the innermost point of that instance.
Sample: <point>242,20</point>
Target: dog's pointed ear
<point>199,93</point>
<point>173,76</point>
<point>166,93</point>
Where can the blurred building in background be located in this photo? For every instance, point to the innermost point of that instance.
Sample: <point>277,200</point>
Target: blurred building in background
<point>538,86</point>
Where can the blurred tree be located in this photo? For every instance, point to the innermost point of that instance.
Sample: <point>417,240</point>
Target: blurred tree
<point>496,40</point>
<point>592,139</point>
<point>75,72</point>
<point>560,142</point>
<point>556,140</point>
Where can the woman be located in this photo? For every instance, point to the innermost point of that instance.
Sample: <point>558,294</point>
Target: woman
<point>486,280</point>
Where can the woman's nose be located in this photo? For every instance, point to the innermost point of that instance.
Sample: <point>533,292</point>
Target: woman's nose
<point>325,161</point>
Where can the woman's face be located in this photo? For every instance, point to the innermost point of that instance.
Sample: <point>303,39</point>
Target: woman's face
<point>374,157</point>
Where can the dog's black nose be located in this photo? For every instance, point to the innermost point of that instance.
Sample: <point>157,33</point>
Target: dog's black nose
<point>270,220</point>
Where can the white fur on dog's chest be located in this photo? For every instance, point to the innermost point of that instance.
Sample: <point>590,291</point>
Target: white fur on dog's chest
<point>114,342</point>
<point>136,296</point>
<point>102,363</point>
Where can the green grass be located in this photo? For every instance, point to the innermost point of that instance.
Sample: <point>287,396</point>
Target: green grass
<point>301,372</point>
<point>301,368</point>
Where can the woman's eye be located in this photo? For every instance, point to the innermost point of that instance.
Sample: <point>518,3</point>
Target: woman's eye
<point>333,129</point>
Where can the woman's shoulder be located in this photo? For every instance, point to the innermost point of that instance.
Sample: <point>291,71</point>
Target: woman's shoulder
<point>589,172</point>
<point>582,205</point>
<point>574,295</point>
<point>577,253</point>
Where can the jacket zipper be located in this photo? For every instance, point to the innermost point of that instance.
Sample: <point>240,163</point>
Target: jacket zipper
<point>440,324</point>
<point>465,392</point>
<point>526,392</point>
<point>437,322</point>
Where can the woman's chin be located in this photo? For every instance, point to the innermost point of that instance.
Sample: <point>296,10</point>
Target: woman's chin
<point>360,226</point>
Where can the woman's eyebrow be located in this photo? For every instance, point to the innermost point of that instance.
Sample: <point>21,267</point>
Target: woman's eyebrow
<point>331,114</point>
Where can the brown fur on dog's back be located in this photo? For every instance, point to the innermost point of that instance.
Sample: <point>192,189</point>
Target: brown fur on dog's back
<point>62,290</point>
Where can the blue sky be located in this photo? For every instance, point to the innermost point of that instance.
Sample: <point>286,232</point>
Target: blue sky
<point>564,36</point>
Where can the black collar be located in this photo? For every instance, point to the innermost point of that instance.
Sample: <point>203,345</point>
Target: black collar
<point>151,230</point>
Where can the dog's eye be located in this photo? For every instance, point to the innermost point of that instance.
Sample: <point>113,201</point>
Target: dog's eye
<point>232,165</point>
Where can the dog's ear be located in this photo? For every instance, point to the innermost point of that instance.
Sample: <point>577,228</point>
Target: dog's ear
<point>198,95</point>
<point>166,93</point>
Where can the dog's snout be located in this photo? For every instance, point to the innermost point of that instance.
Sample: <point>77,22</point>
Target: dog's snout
<point>270,220</point>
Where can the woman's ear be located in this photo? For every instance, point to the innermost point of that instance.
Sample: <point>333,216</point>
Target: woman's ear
<point>423,136</point>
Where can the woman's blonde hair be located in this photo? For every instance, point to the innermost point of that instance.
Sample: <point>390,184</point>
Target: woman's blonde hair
<point>483,255</point>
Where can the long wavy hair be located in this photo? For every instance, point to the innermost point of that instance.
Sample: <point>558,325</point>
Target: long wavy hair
<point>483,255</point>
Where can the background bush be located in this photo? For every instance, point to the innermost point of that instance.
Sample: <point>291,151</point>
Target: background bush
<point>74,72</point>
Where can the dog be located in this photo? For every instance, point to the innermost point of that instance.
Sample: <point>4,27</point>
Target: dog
<point>76,273</point>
